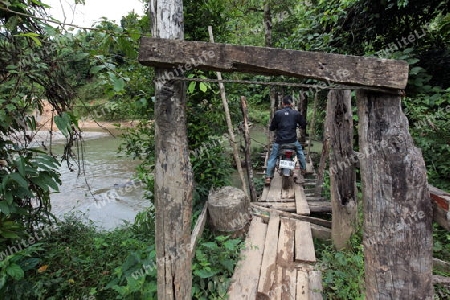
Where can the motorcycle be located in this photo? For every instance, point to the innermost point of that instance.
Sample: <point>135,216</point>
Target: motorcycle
<point>286,164</point>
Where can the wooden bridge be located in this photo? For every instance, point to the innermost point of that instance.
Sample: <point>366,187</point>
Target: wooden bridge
<point>393,171</point>
<point>278,261</point>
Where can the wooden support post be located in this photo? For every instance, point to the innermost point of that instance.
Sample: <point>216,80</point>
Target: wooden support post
<point>173,173</point>
<point>248,161</point>
<point>233,143</point>
<point>303,109</point>
<point>398,236</point>
<point>325,153</point>
<point>342,170</point>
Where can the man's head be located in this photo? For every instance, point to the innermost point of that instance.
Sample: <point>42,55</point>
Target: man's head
<point>287,101</point>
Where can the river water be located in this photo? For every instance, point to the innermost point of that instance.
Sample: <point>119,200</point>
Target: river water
<point>106,192</point>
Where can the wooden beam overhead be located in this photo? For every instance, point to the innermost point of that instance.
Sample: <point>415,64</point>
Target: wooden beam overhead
<point>181,56</point>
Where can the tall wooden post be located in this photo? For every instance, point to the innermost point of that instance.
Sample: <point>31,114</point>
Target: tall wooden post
<point>303,109</point>
<point>173,175</point>
<point>342,170</point>
<point>397,208</point>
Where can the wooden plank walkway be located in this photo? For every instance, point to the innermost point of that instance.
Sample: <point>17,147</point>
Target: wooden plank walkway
<point>298,198</point>
<point>277,263</point>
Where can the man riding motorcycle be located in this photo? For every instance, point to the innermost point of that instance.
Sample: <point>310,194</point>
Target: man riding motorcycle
<point>285,122</point>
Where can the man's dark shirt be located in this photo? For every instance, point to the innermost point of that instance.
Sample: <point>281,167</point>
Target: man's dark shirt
<point>285,123</point>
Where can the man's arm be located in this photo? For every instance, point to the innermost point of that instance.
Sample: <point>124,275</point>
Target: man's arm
<point>301,121</point>
<point>274,124</point>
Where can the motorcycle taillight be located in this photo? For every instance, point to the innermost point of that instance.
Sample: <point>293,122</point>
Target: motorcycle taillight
<point>288,154</point>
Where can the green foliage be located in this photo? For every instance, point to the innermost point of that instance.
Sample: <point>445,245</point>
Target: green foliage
<point>342,271</point>
<point>34,66</point>
<point>441,243</point>
<point>62,264</point>
<point>441,250</point>
<point>429,116</point>
<point>198,15</point>
<point>213,265</point>
<point>211,166</point>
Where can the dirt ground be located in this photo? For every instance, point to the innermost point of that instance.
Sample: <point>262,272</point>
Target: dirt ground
<point>44,122</point>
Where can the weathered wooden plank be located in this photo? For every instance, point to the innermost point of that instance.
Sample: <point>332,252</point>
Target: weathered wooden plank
<point>289,284</point>
<point>398,229</point>
<point>441,205</point>
<point>320,206</point>
<point>275,189</point>
<point>264,194</point>
<point>244,283</point>
<point>285,252</point>
<point>268,264</point>
<point>302,285</point>
<point>345,69</point>
<point>440,265</point>
<point>304,245</point>
<point>438,279</point>
<point>320,232</point>
<point>315,285</point>
<point>199,226</point>
<point>318,221</point>
<point>301,206</point>
<point>309,199</point>
<point>284,206</point>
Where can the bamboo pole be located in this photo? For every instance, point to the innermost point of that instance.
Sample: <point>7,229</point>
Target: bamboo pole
<point>230,125</point>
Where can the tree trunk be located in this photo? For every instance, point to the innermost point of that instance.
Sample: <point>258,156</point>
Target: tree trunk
<point>248,161</point>
<point>173,174</point>
<point>342,170</point>
<point>398,237</point>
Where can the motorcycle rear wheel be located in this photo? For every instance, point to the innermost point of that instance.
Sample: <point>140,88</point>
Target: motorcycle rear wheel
<point>287,182</point>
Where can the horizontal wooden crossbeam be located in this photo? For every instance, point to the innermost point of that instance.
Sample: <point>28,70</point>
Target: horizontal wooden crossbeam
<point>180,56</point>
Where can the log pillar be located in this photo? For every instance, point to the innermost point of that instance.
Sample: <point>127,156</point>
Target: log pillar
<point>342,169</point>
<point>397,209</point>
<point>228,209</point>
<point>173,172</point>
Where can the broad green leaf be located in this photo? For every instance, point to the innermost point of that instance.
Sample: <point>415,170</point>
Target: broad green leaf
<point>19,179</point>
<point>4,207</point>
<point>119,85</point>
<point>205,273</point>
<point>33,36</point>
<point>191,87</point>
<point>9,234</point>
<point>9,198</point>
<point>203,87</point>
<point>96,69</point>
<point>80,56</point>
<point>15,271</point>
<point>63,123</point>
<point>20,164</point>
